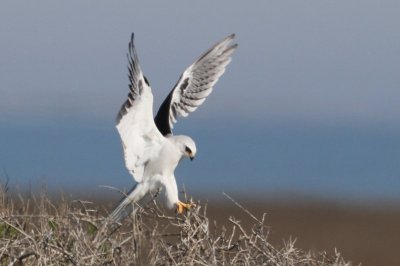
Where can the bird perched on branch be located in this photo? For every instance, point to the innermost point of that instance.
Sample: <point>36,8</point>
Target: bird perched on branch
<point>151,151</point>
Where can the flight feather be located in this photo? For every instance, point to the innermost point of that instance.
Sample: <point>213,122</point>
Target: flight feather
<point>195,84</point>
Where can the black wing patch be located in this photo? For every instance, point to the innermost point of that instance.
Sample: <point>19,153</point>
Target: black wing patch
<point>162,117</point>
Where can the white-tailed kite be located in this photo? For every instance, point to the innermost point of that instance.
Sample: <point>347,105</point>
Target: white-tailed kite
<point>151,151</point>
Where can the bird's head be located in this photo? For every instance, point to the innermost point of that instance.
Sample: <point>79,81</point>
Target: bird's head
<point>187,146</point>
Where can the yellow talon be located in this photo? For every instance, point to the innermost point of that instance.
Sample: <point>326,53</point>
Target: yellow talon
<point>181,207</point>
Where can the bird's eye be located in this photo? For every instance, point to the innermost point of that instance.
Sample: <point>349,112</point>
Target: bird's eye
<point>188,150</point>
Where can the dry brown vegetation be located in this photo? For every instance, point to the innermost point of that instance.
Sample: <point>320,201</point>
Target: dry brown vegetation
<point>36,231</point>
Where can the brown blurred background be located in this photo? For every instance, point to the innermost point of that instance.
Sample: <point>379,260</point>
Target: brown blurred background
<point>366,235</point>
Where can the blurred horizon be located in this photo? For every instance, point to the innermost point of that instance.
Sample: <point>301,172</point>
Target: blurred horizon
<point>335,163</point>
<point>308,105</point>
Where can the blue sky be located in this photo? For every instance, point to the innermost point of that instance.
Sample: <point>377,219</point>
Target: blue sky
<point>310,99</point>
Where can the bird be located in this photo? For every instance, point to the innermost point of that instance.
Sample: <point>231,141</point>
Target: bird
<point>151,151</point>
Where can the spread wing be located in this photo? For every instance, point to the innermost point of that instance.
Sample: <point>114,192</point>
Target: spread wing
<point>140,137</point>
<point>195,84</point>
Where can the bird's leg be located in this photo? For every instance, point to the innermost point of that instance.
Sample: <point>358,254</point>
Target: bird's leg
<point>181,206</point>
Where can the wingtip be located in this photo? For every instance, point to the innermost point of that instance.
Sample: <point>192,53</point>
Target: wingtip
<point>230,44</point>
<point>131,42</point>
<point>229,39</point>
<point>234,46</point>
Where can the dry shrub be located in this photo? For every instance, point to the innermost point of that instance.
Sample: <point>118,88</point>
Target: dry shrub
<point>35,231</point>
